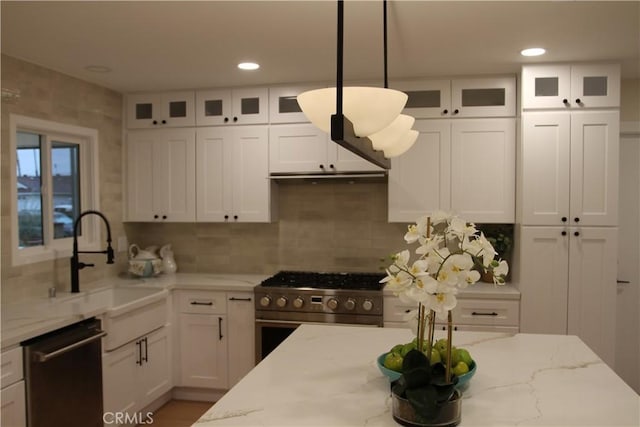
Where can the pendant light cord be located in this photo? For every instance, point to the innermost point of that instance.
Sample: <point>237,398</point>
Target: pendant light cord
<point>384,41</point>
<point>339,76</point>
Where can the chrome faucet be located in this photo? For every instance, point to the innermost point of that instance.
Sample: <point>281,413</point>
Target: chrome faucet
<point>76,265</point>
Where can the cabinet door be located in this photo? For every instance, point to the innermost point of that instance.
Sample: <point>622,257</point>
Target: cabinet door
<point>251,185</point>
<point>545,156</point>
<point>250,106</point>
<point>141,157</point>
<point>592,288</point>
<point>174,177</point>
<point>213,107</point>
<point>283,105</point>
<point>207,366</point>
<point>155,379</point>
<point>142,110</point>
<point>483,157</point>
<point>297,149</point>
<point>419,180</point>
<point>120,376</point>
<point>595,145</point>
<point>596,85</point>
<point>177,109</point>
<point>426,99</point>
<point>13,408</point>
<point>546,86</point>
<point>544,275</point>
<point>483,97</point>
<point>241,329</point>
<point>214,173</point>
<point>344,160</point>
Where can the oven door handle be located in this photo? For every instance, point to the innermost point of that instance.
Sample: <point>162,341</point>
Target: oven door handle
<point>39,356</point>
<point>284,322</point>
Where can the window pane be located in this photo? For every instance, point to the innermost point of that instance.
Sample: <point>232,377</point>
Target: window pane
<point>66,187</point>
<point>28,170</point>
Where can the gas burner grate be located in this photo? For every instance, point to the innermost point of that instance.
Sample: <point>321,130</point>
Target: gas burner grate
<point>304,279</point>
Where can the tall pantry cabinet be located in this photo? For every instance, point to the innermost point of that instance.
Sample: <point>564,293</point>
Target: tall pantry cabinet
<point>567,202</point>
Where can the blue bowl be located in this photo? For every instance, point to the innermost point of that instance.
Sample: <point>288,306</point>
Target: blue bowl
<point>393,375</point>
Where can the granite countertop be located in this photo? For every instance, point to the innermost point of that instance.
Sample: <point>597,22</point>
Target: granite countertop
<point>35,316</point>
<point>326,375</point>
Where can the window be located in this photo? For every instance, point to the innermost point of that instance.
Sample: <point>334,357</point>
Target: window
<point>54,179</point>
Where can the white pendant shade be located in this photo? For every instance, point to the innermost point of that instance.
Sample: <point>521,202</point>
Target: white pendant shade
<point>369,109</point>
<point>404,144</point>
<point>393,133</point>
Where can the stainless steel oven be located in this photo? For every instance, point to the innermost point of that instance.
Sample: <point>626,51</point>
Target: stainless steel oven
<point>291,298</point>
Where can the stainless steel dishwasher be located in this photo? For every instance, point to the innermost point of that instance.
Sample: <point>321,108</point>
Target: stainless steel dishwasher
<point>64,376</point>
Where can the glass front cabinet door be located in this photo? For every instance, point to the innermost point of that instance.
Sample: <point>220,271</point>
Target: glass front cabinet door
<point>157,110</point>
<point>483,97</point>
<point>570,86</point>
<point>426,99</point>
<point>232,107</point>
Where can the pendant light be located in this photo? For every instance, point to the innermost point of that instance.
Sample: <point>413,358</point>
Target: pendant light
<point>363,120</point>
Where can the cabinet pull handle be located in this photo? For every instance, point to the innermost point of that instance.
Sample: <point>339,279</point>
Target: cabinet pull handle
<point>139,358</point>
<point>564,233</point>
<point>408,310</point>
<point>445,111</point>
<point>479,313</point>
<point>622,281</point>
<point>226,119</point>
<point>146,351</point>
<point>565,101</point>
<point>220,328</point>
<point>456,111</point>
<point>155,122</point>
<point>239,299</point>
<point>201,303</point>
<point>578,101</point>
<point>577,233</point>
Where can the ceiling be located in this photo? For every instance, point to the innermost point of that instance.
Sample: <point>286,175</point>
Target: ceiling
<point>158,45</point>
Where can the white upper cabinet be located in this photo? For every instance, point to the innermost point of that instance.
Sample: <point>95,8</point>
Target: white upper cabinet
<point>467,166</point>
<point>304,148</point>
<point>161,175</point>
<point>283,105</point>
<point>232,174</point>
<point>474,97</point>
<point>232,107</point>
<point>155,110</point>
<point>571,86</point>
<point>483,161</point>
<point>569,168</point>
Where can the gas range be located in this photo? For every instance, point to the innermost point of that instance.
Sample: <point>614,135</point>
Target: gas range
<point>351,298</point>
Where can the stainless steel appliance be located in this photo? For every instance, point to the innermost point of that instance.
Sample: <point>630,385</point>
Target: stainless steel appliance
<point>64,376</point>
<point>291,298</point>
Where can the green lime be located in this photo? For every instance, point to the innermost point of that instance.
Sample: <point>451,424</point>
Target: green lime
<point>435,356</point>
<point>397,348</point>
<point>465,356</point>
<point>460,368</point>
<point>407,348</point>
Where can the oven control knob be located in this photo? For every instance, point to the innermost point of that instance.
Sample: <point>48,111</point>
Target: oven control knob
<point>298,302</point>
<point>367,305</point>
<point>265,301</point>
<point>332,303</point>
<point>350,304</point>
<point>281,302</point>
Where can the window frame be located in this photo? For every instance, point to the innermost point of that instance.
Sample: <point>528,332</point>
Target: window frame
<point>87,139</point>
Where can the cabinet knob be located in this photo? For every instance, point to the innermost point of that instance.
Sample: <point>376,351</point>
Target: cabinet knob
<point>164,217</point>
<point>235,119</point>
<point>322,167</point>
<point>235,217</point>
<point>456,111</point>
<point>576,219</point>
<point>577,233</point>
<point>445,111</point>
<point>155,122</point>
<point>332,167</point>
<point>578,101</point>
<point>226,119</point>
<point>164,122</point>
<point>226,217</point>
<point>564,232</point>
<point>565,102</point>
<point>155,217</point>
<point>563,219</point>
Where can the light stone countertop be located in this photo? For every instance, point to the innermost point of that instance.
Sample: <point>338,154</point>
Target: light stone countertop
<point>32,317</point>
<point>326,375</point>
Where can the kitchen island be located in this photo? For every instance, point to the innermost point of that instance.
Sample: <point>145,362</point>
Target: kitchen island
<point>326,375</point>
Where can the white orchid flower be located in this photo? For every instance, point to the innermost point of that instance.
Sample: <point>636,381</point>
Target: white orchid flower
<point>467,278</point>
<point>488,253</point>
<point>412,234</point>
<point>401,259</point>
<point>439,217</point>
<point>500,272</point>
<point>430,244</point>
<point>441,303</point>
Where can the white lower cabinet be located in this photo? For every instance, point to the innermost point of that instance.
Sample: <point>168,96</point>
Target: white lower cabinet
<point>470,314</point>
<point>568,284</point>
<point>137,373</point>
<point>220,325</point>
<point>12,395</point>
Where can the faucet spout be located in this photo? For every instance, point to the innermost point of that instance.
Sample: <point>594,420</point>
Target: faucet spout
<point>76,265</point>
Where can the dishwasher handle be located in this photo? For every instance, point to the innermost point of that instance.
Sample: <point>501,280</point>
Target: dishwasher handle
<point>41,357</point>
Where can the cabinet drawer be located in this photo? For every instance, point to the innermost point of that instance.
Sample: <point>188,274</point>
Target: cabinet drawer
<point>11,366</point>
<point>396,311</point>
<point>203,302</point>
<point>487,312</point>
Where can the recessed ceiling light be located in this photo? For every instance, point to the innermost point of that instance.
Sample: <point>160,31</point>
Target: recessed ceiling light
<point>534,51</point>
<point>248,66</point>
<point>98,68</point>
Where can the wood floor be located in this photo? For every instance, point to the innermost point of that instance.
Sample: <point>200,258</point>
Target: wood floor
<point>179,413</point>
